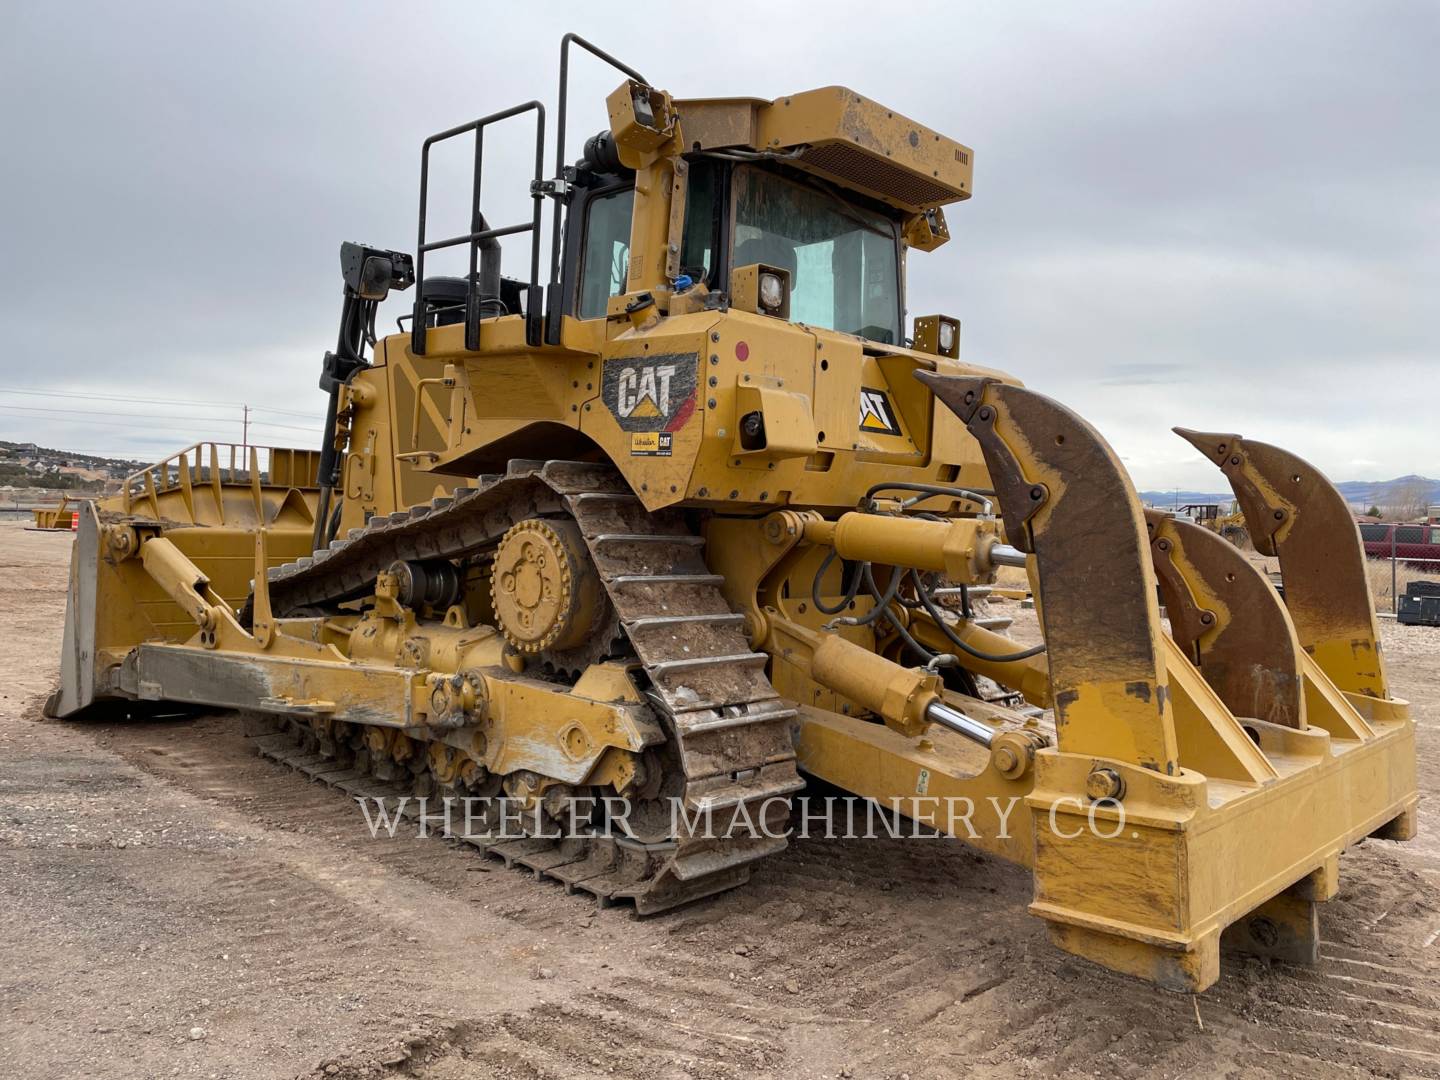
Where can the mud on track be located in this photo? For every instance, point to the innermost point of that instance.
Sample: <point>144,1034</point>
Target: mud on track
<point>158,878</point>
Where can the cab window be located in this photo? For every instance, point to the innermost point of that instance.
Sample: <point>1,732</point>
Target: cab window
<point>700,246</point>
<point>605,263</point>
<point>842,257</point>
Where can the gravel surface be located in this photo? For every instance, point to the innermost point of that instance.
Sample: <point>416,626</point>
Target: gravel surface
<point>175,906</point>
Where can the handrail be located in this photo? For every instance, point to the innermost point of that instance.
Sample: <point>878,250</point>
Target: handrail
<point>479,232</point>
<point>552,297</point>
<point>185,468</point>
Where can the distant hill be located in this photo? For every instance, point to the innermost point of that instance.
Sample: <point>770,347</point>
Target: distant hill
<point>1403,494</point>
<point>1168,499</point>
<point>25,465</point>
<point>1388,492</point>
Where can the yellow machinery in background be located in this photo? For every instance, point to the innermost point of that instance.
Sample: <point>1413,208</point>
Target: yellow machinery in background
<point>1229,524</point>
<point>671,528</point>
<point>58,518</point>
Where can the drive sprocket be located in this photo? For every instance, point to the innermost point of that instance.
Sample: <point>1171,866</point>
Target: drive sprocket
<point>548,599</point>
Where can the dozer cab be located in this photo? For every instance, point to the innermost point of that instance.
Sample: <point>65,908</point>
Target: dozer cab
<point>697,512</point>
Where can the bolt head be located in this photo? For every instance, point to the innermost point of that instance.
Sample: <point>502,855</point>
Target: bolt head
<point>1104,784</point>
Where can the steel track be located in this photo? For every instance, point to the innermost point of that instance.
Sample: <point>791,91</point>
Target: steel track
<point>730,754</point>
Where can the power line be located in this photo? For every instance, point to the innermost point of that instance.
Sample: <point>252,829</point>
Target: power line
<point>149,436</point>
<point>126,427</point>
<point>151,401</point>
<point>158,416</point>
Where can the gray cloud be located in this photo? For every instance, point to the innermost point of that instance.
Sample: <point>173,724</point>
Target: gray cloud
<point>1213,214</point>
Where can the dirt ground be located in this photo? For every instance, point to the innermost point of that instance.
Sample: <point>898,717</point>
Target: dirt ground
<point>175,906</point>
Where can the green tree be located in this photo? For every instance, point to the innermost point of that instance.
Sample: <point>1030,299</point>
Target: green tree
<point>1374,511</point>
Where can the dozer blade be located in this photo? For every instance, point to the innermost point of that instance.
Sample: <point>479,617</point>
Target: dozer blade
<point>1292,511</point>
<point>1204,782</point>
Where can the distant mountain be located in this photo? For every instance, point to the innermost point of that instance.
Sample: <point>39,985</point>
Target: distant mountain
<point>1167,499</point>
<point>1404,492</point>
<point>1388,492</point>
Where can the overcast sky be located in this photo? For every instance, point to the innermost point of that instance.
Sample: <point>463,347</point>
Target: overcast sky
<point>1220,215</point>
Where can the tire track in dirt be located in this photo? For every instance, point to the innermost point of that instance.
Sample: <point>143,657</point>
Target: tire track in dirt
<point>878,957</point>
<point>848,948</point>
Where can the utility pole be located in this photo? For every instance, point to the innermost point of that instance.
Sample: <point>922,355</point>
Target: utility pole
<point>245,428</point>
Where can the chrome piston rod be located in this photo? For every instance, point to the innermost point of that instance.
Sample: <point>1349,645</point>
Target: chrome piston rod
<point>937,712</point>
<point>1005,555</point>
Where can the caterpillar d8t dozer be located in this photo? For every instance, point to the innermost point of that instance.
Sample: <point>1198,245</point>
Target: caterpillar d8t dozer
<point>693,517</point>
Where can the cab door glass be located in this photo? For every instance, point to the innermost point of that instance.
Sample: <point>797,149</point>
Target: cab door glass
<point>605,263</point>
<point>698,248</point>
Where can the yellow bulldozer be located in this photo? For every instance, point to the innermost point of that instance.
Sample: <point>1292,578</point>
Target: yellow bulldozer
<point>683,522</point>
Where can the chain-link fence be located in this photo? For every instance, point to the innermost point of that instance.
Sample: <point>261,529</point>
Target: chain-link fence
<point>1398,554</point>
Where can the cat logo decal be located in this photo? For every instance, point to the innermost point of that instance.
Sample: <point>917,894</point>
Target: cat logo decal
<point>652,393</point>
<point>877,415</point>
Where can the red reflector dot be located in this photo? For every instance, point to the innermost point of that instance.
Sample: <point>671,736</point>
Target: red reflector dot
<point>742,351</point>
